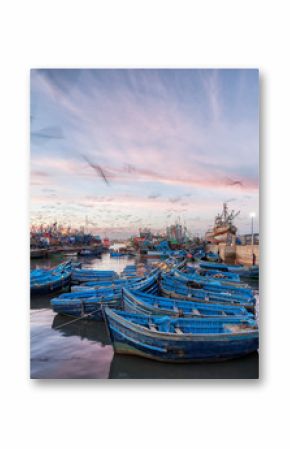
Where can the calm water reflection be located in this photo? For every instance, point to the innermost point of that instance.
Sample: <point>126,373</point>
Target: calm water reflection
<point>62,348</point>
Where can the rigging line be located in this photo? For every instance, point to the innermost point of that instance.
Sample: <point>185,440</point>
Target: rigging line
<point>76,319</point>
<point>66,324</point>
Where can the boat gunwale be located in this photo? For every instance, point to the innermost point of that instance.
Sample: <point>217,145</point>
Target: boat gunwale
<point>144,305</point>
<point>229,301</point>
<point>185,336</point>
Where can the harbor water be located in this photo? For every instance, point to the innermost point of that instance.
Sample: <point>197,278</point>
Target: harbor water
<point>68,348</point>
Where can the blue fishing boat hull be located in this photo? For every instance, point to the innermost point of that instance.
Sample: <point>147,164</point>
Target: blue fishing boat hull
<point>89,303</point>
<point>89,275</point>
<point>221,266</point>
<point>212,257</point>
<point>119,254</point>
<point>89,308</point>
<point>131,339</point>
<point>174,289</point>
<point>215,285</point>
<point>50,285</point>
<point>149,304</point>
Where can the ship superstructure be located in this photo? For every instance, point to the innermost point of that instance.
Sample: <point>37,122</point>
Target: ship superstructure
<point>223,230</point>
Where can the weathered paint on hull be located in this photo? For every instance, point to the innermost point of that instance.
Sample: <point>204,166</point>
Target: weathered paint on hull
<point>171,294</point>
<point>131,308</point>
<point>133,304</point>
<point>124,349</point>
<point>186,349</point>
<point>51,287</point>
<point>80,280</point>
<point>83,309</point>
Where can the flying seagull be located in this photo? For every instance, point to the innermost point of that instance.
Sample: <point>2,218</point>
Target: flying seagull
<point>98,169</point>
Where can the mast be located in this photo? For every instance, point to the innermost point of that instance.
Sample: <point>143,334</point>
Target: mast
<point>225,212</point>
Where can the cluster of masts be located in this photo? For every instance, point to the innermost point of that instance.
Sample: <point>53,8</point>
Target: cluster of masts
<point>225,218</point>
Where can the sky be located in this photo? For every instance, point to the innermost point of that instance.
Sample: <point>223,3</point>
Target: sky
<point>118,150</point>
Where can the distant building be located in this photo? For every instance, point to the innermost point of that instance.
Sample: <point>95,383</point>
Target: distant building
<point>246,239</point>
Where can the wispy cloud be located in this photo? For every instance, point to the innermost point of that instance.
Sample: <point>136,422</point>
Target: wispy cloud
<point>158,133</point>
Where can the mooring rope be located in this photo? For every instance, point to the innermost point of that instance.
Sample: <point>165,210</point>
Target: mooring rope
<point>76,319</point>
<point>66,324</point>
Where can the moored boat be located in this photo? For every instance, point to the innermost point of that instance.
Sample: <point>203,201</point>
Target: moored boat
<point>86,275</point>
<point>90,307</point>
<point>96,285</point>
<point>222,267</point>
<point>215,285</point>
<point>140,302</point>
<point>174,288</point>
<point>117,254</point>
<point>88,302</point>
<point>47,281</point>
<point>38,253</point>
<point>218,280</point>
<point>212,257</point>
<point>224,229</point>
<point>170,339</point>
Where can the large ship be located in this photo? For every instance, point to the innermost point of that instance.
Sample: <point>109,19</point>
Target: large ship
<point>223,229</point>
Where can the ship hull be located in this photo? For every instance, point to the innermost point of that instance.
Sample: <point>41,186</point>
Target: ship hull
<point>221,234</point>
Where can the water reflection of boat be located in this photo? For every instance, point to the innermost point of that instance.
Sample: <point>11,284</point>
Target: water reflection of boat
<point>81,328</point>
<point>127,367</point>
<point>90,252</point>
<point>38,253</point>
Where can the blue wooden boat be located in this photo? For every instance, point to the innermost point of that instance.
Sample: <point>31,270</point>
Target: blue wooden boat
<point>130,271</point>
<point>88,303</point>
<point>47,281</point>
<point>214,277</point>
<point>149,284</point>
<point>174,288</point>
<point>117,254</point>
<point>86,307</point>
<point>76,265</point>
<point>251,273</point>
<point>139,302</point>
<point>86,275</point>
<point>91,293</point>
<point>96,285</point>
<point>198,254</point>
<point>221,266</point>
<point>214,285</point>
<point>90,252</point>
<point>168,339</point>
<point>214,274</point>
<point>212,257</point>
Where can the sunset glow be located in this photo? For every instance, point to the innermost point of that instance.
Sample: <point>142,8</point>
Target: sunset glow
<point>167,144</point>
